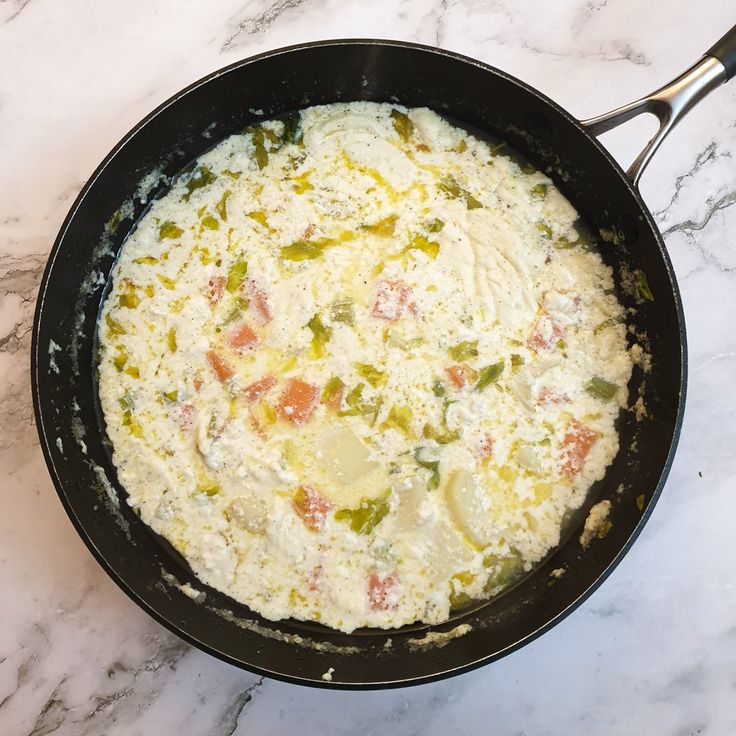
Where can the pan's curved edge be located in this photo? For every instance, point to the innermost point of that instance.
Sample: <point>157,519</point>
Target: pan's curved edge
<point>336,684</point>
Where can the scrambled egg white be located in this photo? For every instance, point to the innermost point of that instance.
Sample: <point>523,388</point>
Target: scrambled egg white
<point>357,366</point>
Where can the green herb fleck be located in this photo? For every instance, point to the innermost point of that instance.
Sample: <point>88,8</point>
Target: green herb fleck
<point>114,327</point>
<point>600,389</point>
<point>359,407</point>
<point>488,375</point>
<point>333,388</point>
<point>545,229</point>
<point>303,250</point>
<point>464,350</point>
<point>371,374</point>
<point>210,223</point>
<point>221,206</point>
<point>126,401</point>
<point>128,421</point>
<point>120,360</point>
<point>429,247</point>
<point>202,178</point>
<point>604,325</point>
<point>343,311</point>
<point>642,286</point>
<point>450,186</point>
<point>146,260</point>
<point>169,229</point>
<point>236,275</point>
<point>384,228</point>
<point>292,132</point>
<point>130,300</point>
<point>400,418</point>
<point>441,438</point>
<point>210,489</point>
<point>539,191</point>
<point>433,466</point>
<point>353,400</point>
<point>259,143</point>
<point>471,202</point>
<point>562,243</point>
<point>434,226</point>
<point>640,501</point>
<point>365,518</point>
<point>321,336</point>
<point>232,316</point>
<point>402,124</point>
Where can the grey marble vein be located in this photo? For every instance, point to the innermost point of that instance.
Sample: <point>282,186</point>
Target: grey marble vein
<point>262,21</point>
<point>14,9</point>
<point>690,226</point>
<point>440,12</point>
<point>708,154</point>
<point>52,715</point>
<point>229,718</point>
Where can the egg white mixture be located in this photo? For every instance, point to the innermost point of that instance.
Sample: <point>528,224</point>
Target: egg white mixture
<point>357,366</point>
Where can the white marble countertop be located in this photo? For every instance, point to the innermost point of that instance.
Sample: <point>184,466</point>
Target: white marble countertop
<point>653,651</point>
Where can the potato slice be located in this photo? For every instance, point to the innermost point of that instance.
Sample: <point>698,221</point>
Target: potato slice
<point>411,496</point>
<point>248,512</point>
<point>448,552</point>
<point>345,456</point>
<point>469,506</point>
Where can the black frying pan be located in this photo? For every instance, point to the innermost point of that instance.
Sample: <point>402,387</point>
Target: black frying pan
<point>485,100</point>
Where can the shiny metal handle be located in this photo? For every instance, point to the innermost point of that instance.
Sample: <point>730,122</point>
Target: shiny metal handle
<point>669,104</point>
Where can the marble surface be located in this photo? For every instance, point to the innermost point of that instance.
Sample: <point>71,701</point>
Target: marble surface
<point>653,651</point>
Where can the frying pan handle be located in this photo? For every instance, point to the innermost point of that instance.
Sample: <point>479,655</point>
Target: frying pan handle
<point>725,51</point>
<point>671,102</point>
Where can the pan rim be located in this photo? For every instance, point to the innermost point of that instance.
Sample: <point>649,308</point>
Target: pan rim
<point>224,656</point>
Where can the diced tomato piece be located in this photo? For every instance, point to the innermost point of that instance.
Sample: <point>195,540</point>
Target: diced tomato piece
<point>423,147</point>
<point>576,445</point>
<point>255,390</point>
<point>258,300</point>
<point>460,374</point>
<point>257,427</point>
<point>308,231</point>
<point>392,298</point>
<point>241,338</point>
<point>198,382</point>
<point>314,578</point>
<point>298,401</point>
<point>486,447</point>
<point>549,396</point>
<point>221,368</point>
<point>183,415</point>
<point>382,593</point>
<point>546,333</point>
<point>312,507</point>
<point>215,289</point>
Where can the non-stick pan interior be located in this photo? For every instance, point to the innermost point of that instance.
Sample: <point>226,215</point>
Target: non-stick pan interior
<point>174,135</point>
